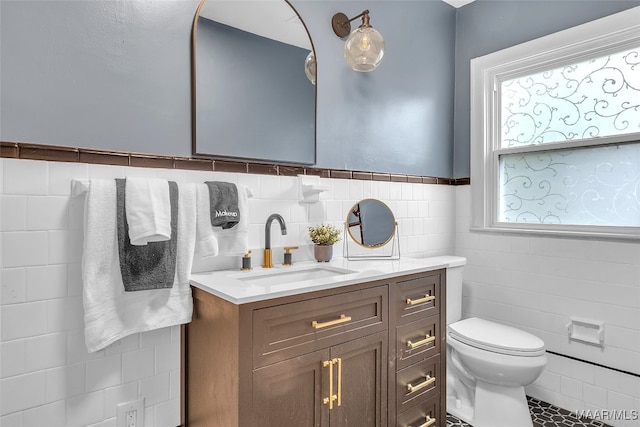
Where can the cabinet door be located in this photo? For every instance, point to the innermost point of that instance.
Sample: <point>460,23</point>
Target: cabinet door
<point>290,393</point>
<point>361,382</point>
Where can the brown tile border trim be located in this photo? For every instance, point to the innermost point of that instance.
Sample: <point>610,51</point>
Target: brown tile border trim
<point>9,150</point>
<point>54,153</point>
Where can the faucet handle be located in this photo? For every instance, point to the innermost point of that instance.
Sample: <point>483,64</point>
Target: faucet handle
<point>287,254</point>
<point>246,261</point>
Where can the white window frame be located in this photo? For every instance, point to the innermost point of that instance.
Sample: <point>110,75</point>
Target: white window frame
<point>593,39</point>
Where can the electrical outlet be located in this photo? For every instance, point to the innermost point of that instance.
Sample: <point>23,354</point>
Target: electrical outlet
<point>131,414</point>
<point>131,418</point>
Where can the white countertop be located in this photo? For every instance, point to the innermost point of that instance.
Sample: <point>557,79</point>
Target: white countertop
<point>240,287</point>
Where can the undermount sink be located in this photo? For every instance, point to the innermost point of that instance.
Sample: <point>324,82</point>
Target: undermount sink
<point>289,275</point>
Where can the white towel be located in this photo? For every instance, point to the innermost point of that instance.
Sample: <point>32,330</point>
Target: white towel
<point>206,242</point>
<point>148,210</point>
<point>110,313</point>
<point>215,241</point>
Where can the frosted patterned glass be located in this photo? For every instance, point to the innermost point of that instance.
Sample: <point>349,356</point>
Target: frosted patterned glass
<point>584,186</point>
<point>595,98</point>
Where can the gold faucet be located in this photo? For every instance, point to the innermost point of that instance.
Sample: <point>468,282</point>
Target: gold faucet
<point>267,263</point>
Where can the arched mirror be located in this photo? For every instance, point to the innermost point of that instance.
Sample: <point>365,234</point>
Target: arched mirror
<point>251,96</point>
<point>371,223</point>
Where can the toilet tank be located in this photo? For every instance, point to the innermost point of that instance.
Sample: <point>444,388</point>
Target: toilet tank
<point>454,290</point>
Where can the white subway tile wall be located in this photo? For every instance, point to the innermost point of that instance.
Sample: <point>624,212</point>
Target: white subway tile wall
<point>537,284</point>
<point>46,375</point>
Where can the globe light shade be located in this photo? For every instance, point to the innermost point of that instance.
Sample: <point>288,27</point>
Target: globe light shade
<point>310,67</point>
<point>364,49</point>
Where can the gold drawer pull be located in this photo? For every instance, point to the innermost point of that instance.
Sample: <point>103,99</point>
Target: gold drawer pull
<point>329,400</point>
<point>427,339</point>
<point>342,319</point>
<point>428,422</point>
<point>427,380</point>
<point>333,397</point>
<point>339,362</point>
<point>426,298</point>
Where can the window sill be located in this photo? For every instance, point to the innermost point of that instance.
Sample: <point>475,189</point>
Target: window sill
<point>577,232</point>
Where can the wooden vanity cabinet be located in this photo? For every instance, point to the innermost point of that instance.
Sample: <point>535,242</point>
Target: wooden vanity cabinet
<point>320,359</point>
<point>418,334</point>
<point>294,392</point>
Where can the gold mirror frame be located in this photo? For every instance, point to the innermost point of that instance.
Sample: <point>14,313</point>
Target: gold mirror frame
<point>357,211</point>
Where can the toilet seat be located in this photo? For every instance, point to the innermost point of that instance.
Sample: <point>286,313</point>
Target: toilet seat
<point>496,337</point>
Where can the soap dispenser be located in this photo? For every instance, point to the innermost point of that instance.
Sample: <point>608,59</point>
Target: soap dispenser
<point>246,261</point>
<point>287,255</point>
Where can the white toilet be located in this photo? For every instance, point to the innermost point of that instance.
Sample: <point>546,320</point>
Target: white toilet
<point>488,365</point>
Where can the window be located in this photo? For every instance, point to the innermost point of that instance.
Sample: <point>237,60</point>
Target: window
<point>555,133</point>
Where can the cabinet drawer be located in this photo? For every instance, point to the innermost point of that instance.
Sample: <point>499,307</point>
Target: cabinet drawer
<point>425,414</point>
<point>289,330</point>
<point>416,298</point>
<point>417,383</point>
<point>417,341</point>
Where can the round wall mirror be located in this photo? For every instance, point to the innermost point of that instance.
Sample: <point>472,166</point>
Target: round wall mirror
<point>371,223</point>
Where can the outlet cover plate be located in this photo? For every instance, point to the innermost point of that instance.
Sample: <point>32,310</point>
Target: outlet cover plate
<point>134,405</point>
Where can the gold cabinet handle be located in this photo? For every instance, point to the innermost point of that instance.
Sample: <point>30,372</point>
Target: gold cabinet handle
<point>342,319</point>
<point>427,380</point>
<point>427,339</point>
<point>426,298</point>
<point>428,422</point>
<point>339,362</point>
<point>329,400</point>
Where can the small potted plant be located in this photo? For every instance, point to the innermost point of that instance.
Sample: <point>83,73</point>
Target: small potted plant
<point>324,236</point>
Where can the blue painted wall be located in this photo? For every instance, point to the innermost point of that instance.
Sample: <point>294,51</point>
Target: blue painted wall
<point>98,74</point>
<point>397,118</point>
<point>116,74</point>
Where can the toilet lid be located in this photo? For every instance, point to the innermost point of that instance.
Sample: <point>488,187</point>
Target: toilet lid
<point>496,337</point>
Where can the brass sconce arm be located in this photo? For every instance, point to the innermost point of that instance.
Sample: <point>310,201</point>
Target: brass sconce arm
<point>341,24</point>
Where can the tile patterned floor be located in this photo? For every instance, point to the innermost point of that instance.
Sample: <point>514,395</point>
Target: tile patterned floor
<point>543,415</point>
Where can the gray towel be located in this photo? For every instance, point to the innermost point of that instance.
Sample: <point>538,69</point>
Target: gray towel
<point>153,265</point>
<point>223,197</point>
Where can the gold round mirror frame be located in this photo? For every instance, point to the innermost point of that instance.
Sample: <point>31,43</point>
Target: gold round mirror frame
<point>357,218</point>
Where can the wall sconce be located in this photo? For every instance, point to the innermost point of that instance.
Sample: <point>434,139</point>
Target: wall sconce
<point>310,67</point>
<point>364,48</point>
